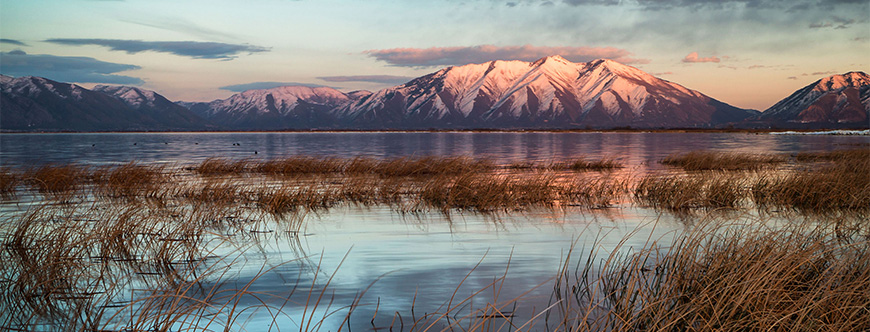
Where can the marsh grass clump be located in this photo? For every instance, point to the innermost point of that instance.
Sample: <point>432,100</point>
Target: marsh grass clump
<point>220,166</point>
<point>728,161</point>
<point>431,166</point>
<point>595,165</point>
<point>57,180</point>
<point>721,278</point>
<point>686,191</point>
<point>836,155</point>
<point>9,181</point>
<point>128,180</point>
<point>297,165</point>
<point>843,184</point>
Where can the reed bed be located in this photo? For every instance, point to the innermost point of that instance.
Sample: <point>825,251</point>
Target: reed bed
<point>9,181</point>
<point>681,191</point>
<point>58,181</point>
<point>843,184</point>
<point>128,180</point>
<point>595,165</point>
<point>721,277</point>
<point>728,161</point>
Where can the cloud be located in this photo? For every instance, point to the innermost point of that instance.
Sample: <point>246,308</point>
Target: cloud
<point>12,41</point>
<point>179,24</point>
<point>65,68</point>
<point>445,56</point>
<point>693,58</point>
<point>265,85</point>
<point>792,77</point>
<point>662,73</point>
<point>836,23</point>
<point>386,79</point>
<point>196,50</point>
<point>717,4</point>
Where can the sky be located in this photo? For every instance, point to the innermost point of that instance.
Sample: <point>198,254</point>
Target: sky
<point>748,53</point>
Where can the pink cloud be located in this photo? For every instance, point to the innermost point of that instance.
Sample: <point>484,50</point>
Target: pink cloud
<point>441,56</point>
<point>693,57</point>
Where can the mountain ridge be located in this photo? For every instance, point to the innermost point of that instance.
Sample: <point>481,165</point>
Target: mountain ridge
<point>549,93</point>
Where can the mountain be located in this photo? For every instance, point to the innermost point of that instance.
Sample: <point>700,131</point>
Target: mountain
<point>36,103</point>
<point>549,93</point>
<point>153,105</point>
<point>287,107</point>
<point>838,99</point>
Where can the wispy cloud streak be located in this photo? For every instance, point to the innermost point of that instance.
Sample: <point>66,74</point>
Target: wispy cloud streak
<point>192,49</point>
<point>65,68</point>
<point>445,56</point>
<point>386,79</point>
<point>695,58</point>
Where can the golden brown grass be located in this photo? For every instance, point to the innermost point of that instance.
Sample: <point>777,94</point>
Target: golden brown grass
<point>713,160</point>
<point>703,190</point>
<point>843,184</point>
<point>725,278</point>
<point>128,180</point>
<point>9,181</point>
<point>58,181</point>
<point>220,166</point>
<point>595,165</point>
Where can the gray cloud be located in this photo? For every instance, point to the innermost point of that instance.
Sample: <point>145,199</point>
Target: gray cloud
<point>265,85</point>
<point>386,79</point>
<point>65,68</point>
<point>196,50</point>
<point>12,41</point>
<point>836,22</point>
<point>445,56</point>
<point>791,5</point>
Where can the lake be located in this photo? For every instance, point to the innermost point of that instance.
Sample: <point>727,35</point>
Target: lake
<point>398,265</point>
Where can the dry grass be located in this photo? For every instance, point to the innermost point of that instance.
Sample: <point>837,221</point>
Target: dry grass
<point>851,154</point>
<point>128,180</point>
<point>843,184</point>
<point>58,181</point>
<point>9,181</point>
<point>220,166</point>
<point>704,190</point>
<point>711,160</point>
<point>595,165</point>
<point>725,278</point>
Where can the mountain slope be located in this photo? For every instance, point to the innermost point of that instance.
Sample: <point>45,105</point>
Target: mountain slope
<point>549,93</point>
<point>837,99</point>
<point>154,106</point>
<point>287,107</point>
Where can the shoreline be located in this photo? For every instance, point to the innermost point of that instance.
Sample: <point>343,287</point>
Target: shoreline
<point>615,130</point>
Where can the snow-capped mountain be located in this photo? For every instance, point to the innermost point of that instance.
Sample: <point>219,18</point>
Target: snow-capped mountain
<point>284,107</point>
<point>549,93</point>
<point>837,99</point>
<point>154,105</point>
<point>36,103</point>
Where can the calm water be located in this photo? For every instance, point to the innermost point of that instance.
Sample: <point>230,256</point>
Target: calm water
<point>425,256</point>
<point>632,148</point>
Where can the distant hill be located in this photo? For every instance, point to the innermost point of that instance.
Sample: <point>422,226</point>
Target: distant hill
<point>35,103</point>
<point>838,100</point>
<point>287,107</point>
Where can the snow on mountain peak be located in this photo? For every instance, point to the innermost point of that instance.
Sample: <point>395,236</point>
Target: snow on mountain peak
<point>839,82</point>
<point>281,99</point>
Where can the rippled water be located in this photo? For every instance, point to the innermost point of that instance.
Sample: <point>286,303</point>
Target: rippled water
<point>422,259</point>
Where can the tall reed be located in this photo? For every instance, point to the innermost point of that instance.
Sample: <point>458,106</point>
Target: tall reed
<point>714,160</point>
